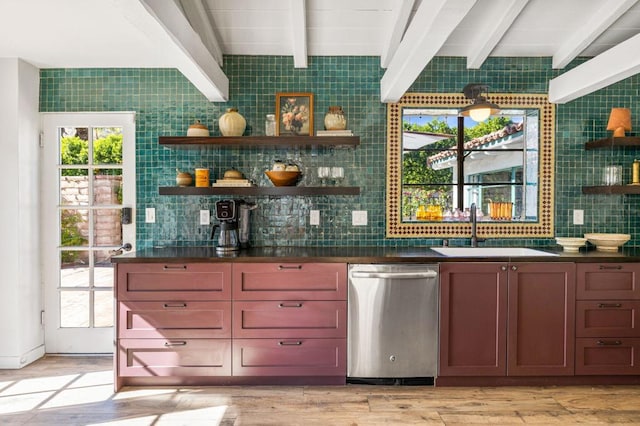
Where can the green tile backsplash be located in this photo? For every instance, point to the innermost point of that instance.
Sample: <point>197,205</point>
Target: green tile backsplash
<point>166,103</point>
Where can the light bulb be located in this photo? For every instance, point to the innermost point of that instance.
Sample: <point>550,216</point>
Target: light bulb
<point>479,114</point>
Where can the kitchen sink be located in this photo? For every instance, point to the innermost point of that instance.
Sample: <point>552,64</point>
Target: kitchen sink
<point>489,251</point>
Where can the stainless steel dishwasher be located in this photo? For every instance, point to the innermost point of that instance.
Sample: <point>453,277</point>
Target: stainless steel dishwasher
<point>392,324</point>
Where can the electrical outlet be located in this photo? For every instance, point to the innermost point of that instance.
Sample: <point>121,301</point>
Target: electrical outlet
<point>578,217</point>
<point>314,217</point>
<point>150,215</point>
<point>359,217</point>
<point>205,218</point>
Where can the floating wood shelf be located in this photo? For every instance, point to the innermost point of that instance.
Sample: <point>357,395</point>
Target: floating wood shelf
<point>260,190</point>
<point>611,189</point>
<point>612,142</point>
<point>250,141</point>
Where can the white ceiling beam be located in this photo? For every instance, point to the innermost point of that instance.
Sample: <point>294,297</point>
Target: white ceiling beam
<point>493,30</point>
<point>607,14</point>
<point>609,67</point>
<point>299,32</point>
<point>398,23</point>
<point>430,27</point>
<point>199,18</point>
<point>164,24</point>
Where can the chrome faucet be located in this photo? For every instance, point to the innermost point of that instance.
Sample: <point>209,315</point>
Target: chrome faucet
<point>474,225</point>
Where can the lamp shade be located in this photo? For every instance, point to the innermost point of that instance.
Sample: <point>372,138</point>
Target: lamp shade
<point>480,108</point>
<point>619,121</point>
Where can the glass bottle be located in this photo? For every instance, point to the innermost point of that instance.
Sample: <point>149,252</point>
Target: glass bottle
<point>270,125</point>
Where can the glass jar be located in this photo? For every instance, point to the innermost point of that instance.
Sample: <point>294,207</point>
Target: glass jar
<point>270,125</point>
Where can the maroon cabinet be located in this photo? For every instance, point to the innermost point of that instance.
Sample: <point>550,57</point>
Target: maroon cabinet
<point>513,319</point>
<point>290,320</point>
<point>607,329</point>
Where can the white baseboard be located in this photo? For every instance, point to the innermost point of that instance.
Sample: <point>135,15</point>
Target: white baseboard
<point>16,362</point>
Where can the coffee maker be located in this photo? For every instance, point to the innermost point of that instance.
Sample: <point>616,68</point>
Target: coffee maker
<point>244,221</point>
<point>227,213</point>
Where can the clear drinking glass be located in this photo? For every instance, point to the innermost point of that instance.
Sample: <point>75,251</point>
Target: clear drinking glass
<point>337,174</point>
<point>324,173</point>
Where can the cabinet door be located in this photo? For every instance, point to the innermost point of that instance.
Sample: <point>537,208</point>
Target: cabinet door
<point>473,319</point>
<point>609,318</point>
<point>608,281</point>
<point>607,356</point>
<point>290,357</point>
<point>290,319</point>
<point>175,357</point>
<point>174,319</point>
<point>289,281</point>
<point>183,281</point>
<point>541,336</point>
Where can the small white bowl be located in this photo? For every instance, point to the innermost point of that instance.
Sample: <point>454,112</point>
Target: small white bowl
<point>607,242</point>
<point>571,244</point>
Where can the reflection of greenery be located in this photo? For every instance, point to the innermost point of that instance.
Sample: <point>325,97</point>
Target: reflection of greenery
<point>70,235</point>
<point>106,150</point>
<point>420,182</point>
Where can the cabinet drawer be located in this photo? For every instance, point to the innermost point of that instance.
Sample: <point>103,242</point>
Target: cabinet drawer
<point>287,281</point>
<point>174,319</point>
<point>290,357</point>
<point>607,356</point>
<point>179,357</point>
<point>602,281</point>
<point>611,318</point>
<point>157,281</point>
<point>290,319</point>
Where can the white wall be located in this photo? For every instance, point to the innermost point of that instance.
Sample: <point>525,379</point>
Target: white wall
<point>21,297</point>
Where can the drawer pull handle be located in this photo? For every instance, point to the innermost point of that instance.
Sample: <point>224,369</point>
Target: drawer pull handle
<point>609,305</point>
<point>175,267</point>
<point>617,267</point>
<point>610,343</point>
<point>296,343</point>
<point>175,305</point>
<point>281,267</point>
<point>289,305</point>
<point>170,344</point>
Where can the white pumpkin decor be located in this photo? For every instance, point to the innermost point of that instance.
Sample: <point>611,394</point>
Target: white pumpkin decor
<point>232,123</point>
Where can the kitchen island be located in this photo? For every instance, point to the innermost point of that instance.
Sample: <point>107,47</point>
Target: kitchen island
<point>277,315</point>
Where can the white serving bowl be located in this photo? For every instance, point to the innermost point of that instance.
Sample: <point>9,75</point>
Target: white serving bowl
<point>607,242</point>
<point>571,244</point>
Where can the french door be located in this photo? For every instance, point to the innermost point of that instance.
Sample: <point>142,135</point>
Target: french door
<point>88,177</point>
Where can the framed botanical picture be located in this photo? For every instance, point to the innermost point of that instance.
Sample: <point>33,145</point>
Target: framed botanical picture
<point>294,114</point>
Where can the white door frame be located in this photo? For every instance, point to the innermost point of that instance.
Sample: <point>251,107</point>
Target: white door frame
<point>77,340</point>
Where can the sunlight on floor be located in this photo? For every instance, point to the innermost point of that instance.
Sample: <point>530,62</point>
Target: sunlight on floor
<point>206,416</point>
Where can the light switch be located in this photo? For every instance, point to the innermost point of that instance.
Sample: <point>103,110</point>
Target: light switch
<point>359,217</point>
<point>578,217</point>
<point>150,215</point>
<point>314,217</point>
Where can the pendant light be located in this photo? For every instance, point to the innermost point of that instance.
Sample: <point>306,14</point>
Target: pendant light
<point>480,108</point>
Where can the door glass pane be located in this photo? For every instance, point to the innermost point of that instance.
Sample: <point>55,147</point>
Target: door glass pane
<point>103,312</point>
<point>74,227</point>
<point>107,145</point>
<point>107,188</point>
<point>103,269</point>
<point>107,227</point>
<point>74,145</point>
<point>74,309</point>
<point>74,187</point>
<point>74,268</point>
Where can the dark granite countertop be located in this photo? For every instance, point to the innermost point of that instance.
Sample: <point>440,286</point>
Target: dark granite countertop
<point>357,255</point>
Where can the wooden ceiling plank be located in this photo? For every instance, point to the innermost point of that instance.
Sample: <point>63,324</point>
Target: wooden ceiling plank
<point>199,18</point>
<point>164,24</point>
<point>606,15</point>
<point>299,32</point>
<point>493,30</point>
<point>609,67</point>
<point>429,29</point>
<point>400,19</point>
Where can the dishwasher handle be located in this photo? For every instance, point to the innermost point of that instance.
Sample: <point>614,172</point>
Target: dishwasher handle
<point>394,275</point>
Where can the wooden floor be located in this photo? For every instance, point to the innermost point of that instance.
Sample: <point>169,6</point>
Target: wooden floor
<point>79,391</point>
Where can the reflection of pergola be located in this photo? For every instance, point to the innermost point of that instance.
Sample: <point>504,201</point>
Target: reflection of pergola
<point>413,141</point>
<point>508,137</point>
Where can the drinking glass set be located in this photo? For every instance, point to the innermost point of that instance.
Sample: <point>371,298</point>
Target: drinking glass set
<point>332,175</point>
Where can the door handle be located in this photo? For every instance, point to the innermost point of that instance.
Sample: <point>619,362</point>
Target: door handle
<point>121,249</point>
<point>394,275</point>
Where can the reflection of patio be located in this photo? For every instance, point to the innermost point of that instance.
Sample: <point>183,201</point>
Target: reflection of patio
<point>74,304</point>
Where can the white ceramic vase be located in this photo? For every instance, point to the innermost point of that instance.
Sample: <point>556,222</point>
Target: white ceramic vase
<point>232,123</point>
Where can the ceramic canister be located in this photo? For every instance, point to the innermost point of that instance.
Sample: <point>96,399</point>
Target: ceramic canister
<point>202,177</point>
